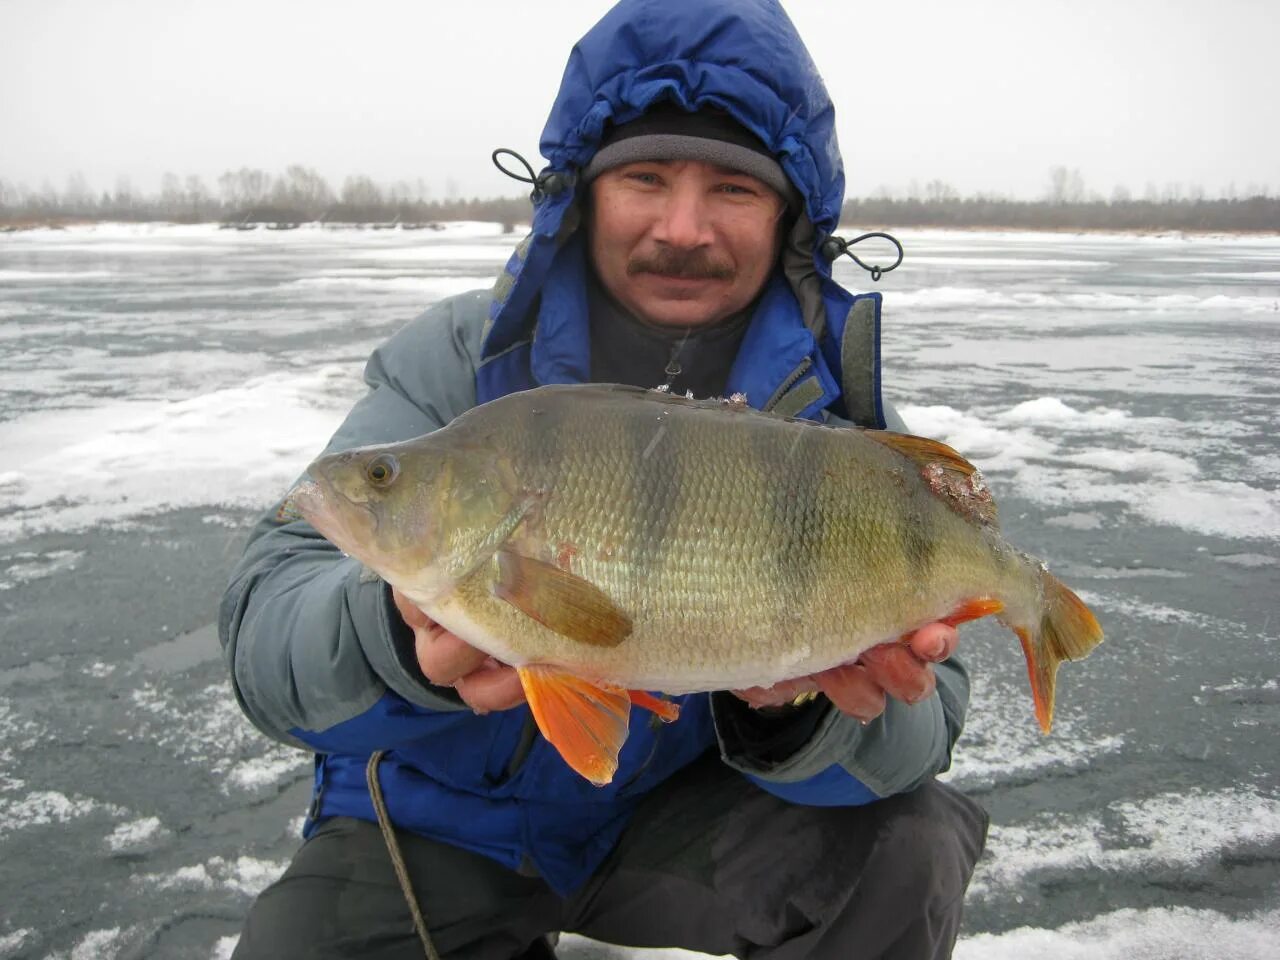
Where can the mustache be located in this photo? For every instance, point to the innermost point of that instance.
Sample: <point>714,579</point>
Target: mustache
<point>685,264</point>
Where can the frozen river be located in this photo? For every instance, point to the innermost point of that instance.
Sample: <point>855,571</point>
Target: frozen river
<point>158,385</point>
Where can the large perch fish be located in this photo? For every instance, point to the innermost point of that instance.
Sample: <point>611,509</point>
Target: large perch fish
<point>608,540</point>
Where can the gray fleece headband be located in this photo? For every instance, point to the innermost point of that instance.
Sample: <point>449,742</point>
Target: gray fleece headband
<point>667,133</point>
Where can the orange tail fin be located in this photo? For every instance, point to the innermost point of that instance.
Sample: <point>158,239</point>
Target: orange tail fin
<point>1068,630</point>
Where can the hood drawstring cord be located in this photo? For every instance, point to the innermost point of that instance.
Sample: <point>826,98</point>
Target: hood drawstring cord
<point>397,857</point>
<point>833,247</point>
<point>545,184</point>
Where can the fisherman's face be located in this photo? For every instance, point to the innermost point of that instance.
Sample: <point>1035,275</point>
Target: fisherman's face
<point>683,243</point>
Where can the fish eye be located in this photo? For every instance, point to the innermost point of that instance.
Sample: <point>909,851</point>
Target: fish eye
<point>382,470</point>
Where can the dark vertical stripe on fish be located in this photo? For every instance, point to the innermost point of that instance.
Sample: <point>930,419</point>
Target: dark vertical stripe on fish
<point>795,454</point>
<point>656,486</point>
<point>918,536</point>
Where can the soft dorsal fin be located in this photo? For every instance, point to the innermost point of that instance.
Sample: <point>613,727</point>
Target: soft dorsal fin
<point>949,475</point>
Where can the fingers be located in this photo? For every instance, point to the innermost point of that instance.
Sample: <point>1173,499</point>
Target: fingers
<point>853,691</point>
<point>446,660</point>
<point>494,686</point>
<point>934,642</point>
<point>409,611</point>
<point>778,694</point>
<point>443,657</point>
<point>899,672</point>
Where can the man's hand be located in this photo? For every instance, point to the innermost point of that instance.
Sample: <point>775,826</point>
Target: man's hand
<point>903,670</point>
<point>483,683</point>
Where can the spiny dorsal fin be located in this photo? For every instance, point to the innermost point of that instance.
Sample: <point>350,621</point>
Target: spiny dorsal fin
<point>949,475</point>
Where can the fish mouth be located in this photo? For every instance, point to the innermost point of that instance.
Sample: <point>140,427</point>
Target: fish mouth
<point>337,517</point>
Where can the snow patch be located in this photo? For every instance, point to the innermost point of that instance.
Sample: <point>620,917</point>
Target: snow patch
<point>1156,934</point>
<point>1168,832</point>
<point>239,446</point>
<point>1077,521</point>
<point>36,566</point>
<point>44,807</point>
<point>245,875</point>
<point>136,836</point>
<point>1139,463</point>
<point>11,941</point>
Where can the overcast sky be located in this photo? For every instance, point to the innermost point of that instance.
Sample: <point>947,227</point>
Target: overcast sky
<point>984,94</point>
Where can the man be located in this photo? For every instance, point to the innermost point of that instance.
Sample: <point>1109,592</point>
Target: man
<point>677,238</point>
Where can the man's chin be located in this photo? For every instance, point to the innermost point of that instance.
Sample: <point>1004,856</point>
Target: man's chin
<point>680,308</point>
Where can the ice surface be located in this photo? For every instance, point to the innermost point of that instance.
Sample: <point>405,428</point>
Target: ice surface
<point>1075,304</point>
<point>44,807</point>
<point>1249,560</point>
<point>431,288</point>
<point>1057,455</point>
<point>496,253</point>
<point>16,568</point>
<point>1077,521</point>
<point>1166,833</point>
<point>1002,742</point>
<point>136,836</point>
<point>572,947</point>
<point>99,945</point>
<point>1155,934</point>
<point>1121,407</point>
<point>235,446</point>
<point>12,940</point>
<point>208,729</point>
<point>40,276</point>
<point>246,875</point>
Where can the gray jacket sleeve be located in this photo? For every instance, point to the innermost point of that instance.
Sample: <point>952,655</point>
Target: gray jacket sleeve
<point>311,637</point>
<point>901,749</point>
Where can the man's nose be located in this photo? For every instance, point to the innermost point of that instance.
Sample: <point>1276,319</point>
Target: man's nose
<point>685,220</point>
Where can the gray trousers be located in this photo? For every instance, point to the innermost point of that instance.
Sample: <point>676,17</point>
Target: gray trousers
<point>710,863</point>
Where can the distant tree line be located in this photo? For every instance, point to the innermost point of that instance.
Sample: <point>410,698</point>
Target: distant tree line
<point>1068,205</point>
<point>249,196</point>
<point>300,195</point>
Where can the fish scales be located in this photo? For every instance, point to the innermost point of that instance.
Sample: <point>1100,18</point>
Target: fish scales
<point>739,553</point>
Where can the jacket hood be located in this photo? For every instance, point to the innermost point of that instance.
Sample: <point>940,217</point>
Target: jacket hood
<point>742,56</point>
<point>746,58</point>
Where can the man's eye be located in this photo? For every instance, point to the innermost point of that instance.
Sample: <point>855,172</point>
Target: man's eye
<point>736,189</point>
<point>643,177</point>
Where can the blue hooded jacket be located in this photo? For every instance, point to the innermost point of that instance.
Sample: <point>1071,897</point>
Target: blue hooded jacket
<point>318,655</point>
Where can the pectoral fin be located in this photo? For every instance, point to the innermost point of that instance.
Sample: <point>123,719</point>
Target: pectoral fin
<point>560,601</point>
<point>584,721</point>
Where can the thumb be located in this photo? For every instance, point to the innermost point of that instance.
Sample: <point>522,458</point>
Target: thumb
<point>409,611</point>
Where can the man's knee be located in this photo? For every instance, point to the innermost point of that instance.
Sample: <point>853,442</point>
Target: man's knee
<point>929,842</point>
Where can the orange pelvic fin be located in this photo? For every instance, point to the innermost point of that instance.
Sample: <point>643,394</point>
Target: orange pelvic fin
<point>584,721</point>
<point>665,709</point>
<point>1068,630</point>
<point>973,609</point>
<point>572,607</point>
